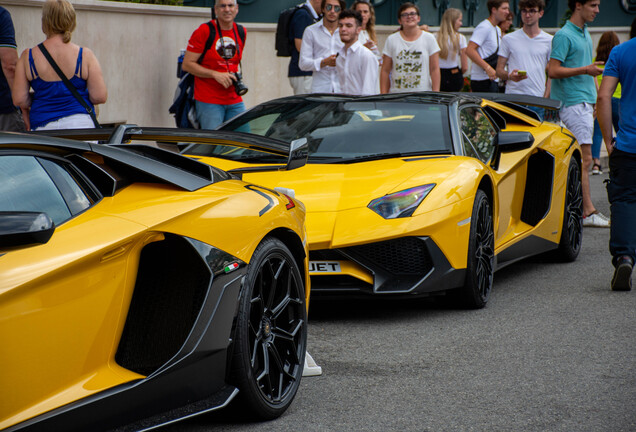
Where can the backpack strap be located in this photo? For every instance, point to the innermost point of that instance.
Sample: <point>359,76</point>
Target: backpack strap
<point>209,42</point>
<point>241,32</point>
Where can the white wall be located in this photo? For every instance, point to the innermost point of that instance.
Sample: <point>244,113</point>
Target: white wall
<point>137,47</point>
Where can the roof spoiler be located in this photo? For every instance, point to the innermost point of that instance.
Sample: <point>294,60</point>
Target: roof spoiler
<point>296,152</point>
<point>520,102</point>
<point>547,103</point>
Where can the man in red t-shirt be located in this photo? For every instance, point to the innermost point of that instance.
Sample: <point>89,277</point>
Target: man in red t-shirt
<point>214,79</point>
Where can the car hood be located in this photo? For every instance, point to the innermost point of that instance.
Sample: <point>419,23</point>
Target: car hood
<point>340,187</point>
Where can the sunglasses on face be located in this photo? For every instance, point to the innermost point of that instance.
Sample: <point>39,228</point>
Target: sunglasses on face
<point>329,7</point>
<point>409,15</point>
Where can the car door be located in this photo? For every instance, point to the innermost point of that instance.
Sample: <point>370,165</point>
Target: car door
<point>479,136</point>
<point>61,303</point>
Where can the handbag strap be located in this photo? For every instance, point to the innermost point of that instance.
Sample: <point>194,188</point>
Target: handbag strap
<point>68,84</point>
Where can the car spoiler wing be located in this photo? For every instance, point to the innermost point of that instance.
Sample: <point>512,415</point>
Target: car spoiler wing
<point>502,98</point>
<point>519,102</point>
<point>296,152</point>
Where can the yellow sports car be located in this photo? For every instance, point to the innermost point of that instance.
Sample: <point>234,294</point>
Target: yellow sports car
<point>419,194</point>
<point>139,286</point>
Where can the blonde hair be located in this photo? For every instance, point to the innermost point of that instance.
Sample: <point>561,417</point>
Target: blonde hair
<point>371,24</point>
<point>447,32</point>
<point>58,17</point>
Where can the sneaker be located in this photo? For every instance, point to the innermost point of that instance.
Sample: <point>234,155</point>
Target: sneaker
<point>596,170</point>
<point>622,280</point>
<point>597,220</point>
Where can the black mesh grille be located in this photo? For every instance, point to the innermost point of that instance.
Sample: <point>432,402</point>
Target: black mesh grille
<point>407,255</point>
<point>171,285</point>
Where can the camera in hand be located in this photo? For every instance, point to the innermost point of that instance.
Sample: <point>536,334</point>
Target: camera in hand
<point>239,87</point>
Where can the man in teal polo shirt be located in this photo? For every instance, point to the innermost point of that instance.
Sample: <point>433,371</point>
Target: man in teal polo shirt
<point>572,71</point>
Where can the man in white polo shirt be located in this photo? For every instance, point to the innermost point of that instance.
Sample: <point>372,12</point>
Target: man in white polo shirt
<point>321,42</point>
<point>357,66</point>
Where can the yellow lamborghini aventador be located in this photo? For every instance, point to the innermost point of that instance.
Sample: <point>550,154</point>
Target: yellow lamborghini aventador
<point>139,286</point>
<point>419,194</point>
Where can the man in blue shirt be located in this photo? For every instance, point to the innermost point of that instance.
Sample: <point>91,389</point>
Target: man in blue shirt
<point>572,72</point>
<point>304,17</point>
<point>10,117</point>
<point>621,189</point>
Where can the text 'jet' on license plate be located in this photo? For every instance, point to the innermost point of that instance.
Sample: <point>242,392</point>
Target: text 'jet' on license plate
<point>324,267</point>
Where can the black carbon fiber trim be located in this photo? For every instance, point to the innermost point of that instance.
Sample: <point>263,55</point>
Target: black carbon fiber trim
<point>401,267</point>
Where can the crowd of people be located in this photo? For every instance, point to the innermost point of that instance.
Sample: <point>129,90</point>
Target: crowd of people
<point>335,49</point>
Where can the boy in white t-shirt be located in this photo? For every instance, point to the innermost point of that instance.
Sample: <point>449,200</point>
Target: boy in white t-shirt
<point>483,48</point>
<point>410,60</point>
<point>527,53</point>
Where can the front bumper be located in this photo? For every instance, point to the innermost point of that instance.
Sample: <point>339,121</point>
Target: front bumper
<point>408,266</point>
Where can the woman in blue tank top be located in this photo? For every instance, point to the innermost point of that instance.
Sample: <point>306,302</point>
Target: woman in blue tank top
<point>51,104</point>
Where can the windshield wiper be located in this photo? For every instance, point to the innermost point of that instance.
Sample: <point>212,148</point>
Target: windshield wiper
<point>371,157</point>
<point>389,155</point>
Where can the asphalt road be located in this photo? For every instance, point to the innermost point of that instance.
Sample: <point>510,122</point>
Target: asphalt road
<point>554,350</point>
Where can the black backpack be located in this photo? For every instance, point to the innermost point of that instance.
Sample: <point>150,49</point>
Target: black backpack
<point>284,44</point>
<point>183,106</point>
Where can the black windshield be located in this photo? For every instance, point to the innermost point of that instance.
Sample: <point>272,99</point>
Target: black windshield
<point>342,131</point>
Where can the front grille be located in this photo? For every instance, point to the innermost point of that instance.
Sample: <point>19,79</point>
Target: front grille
<point>405,256</point>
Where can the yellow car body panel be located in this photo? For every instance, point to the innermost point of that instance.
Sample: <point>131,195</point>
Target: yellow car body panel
<point>63,304</point>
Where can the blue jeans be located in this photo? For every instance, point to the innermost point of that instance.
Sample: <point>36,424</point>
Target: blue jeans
<point>597,138</point>
<point>211,116</point>
<point>621,192</point>
<point>538,110</point>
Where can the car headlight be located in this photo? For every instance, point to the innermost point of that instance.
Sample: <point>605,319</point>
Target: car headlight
<point>400,204</point>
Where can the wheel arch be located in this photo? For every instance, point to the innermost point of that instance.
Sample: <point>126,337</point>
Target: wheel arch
<point>486,185</point>
<point>295,245</point>
<point>576,154</point>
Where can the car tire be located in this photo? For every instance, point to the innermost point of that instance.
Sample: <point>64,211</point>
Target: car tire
<point>572,230</point>
<point>271,332</point>
<point>481,256</point>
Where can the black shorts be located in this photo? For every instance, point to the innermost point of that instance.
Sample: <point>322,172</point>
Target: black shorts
<point>452,80</point>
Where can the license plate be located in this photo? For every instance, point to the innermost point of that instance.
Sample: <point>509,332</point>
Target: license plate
<point>324,267</point>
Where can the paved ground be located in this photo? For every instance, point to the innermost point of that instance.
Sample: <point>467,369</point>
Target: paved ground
<point>554,350</point>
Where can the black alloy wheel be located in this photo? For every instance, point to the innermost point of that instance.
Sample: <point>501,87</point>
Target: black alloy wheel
<point>271,332</point>
<point>481,256</point>
<point>572,230</point>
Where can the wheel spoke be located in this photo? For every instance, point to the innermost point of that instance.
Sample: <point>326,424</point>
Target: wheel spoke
<point>288,338</point>
<point>257,343</point>
<point>264,378</point>
<point>269,290</point>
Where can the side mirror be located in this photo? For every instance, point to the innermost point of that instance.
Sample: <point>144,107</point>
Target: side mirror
<point>509,141</point>
<point>24,229</point>
<point>298,153</point>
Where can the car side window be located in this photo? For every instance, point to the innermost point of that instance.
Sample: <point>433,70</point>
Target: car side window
<point>468,147</point>
<point>478,133</point>
<point>27,184</point>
